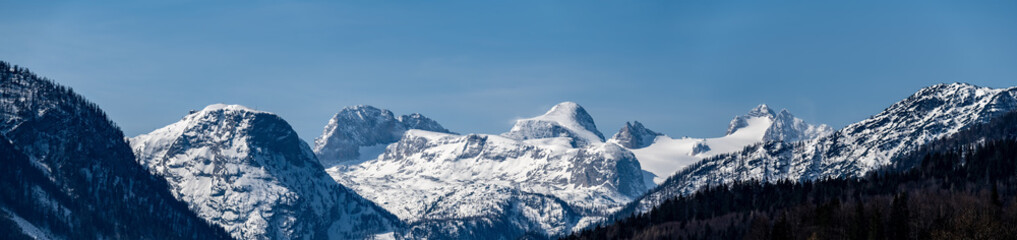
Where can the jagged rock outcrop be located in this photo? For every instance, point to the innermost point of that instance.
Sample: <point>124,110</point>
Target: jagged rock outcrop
<point>635,135</point>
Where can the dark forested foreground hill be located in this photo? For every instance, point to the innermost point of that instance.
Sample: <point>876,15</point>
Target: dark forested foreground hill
<point>67,172</point>
<point>961,187</point>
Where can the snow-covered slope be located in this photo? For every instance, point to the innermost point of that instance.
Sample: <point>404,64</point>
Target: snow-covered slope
<point>362,132</point>
<point>662,156</point>
<point>929,114</point>
<point>67,171</point>
<point>490,186</point>
<point>248,172</point>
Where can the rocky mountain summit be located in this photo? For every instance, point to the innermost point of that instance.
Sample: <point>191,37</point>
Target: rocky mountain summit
<point>362,132</point>
<point>635,135</point>
<point>567,119</point>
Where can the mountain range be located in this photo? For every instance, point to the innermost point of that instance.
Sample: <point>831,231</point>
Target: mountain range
<point>231,171</point>
<point>549,174</point>
<point>929,114</point>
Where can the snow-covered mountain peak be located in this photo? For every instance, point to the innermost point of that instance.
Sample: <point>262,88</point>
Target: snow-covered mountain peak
<point>567,119</point>
<point>227,121</point>
<point>552,174</point>
<point>418,121</point>
<point>762,110</point>
<point>761,122</point>
<point>148,146</point>
<point>755,121</point>
<point>634,135</point>
<point>361,132</point>
<point>786,127</point>
<point>229,107</point>
<point>440,181</point>
<point>364,113</point>
<point>250,173</point>
<point>784,113</point>
<point>948,89</point>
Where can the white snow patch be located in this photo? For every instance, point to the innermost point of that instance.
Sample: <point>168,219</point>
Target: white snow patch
<point>668,155</point>
<point>28,228</point>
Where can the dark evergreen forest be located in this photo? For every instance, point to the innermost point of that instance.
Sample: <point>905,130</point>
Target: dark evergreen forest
<point>67,169</point>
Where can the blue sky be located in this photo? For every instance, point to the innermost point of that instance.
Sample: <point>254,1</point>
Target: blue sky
<point>684,68</point>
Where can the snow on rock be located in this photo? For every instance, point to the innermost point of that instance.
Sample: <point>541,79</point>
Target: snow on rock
<point>358,127</point>
<point>635,135</point>
<point>931,113</point>
<point>250,173</point>
<point>740,122</point>
<point>788,128</point>
<point>566,119</point>
<point>490,186</point>
<point>662,156</point>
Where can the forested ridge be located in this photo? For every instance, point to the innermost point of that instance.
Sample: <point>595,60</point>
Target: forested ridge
<point>68,172</point>
<point>959,187</point>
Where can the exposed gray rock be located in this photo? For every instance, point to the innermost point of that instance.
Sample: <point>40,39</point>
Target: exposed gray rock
<point>634,136</point>
<point>700,147</point>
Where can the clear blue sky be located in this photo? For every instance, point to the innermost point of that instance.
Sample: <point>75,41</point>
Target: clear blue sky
<point>684,68</point>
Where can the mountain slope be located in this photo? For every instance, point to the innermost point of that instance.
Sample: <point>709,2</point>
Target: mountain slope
<point>490,186</point>
<point>362,132</point>
<point>69,173</point>
<point>957,187</point>
<point>249,172</point>
<point>931,113</point>
<point>662,156</point>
